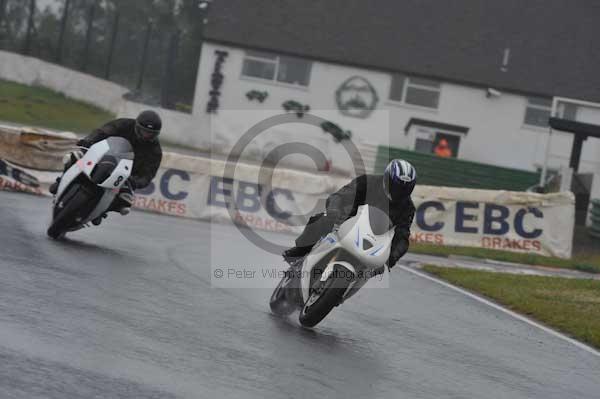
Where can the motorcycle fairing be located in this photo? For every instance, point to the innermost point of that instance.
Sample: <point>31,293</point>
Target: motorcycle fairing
<point>116,146</point>
<point>356,239</point>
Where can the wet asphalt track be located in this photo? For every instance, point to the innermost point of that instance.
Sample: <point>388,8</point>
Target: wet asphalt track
<point>127,311</point>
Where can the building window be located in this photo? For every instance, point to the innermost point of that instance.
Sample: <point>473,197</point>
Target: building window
<point>415,91</point>
<point>267,66</point>
<point>424,145</point>
<point>437,143</point>
<point>538,111</point>
<point>259,65</point>
<point>568,111</point>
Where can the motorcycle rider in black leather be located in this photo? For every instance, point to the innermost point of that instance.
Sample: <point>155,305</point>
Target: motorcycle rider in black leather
<point>142,133</point>
<point>390,193</point>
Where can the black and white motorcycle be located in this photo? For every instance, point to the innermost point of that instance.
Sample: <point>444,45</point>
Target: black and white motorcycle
<point>89,186</point>
<point>336,268</point>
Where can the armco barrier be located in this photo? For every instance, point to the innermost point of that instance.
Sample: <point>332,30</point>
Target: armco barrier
<point>595,227</point>
<point>35,148</point>
<point>200,188</point>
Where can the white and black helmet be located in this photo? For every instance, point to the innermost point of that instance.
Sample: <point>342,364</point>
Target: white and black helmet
<point>399,179</point>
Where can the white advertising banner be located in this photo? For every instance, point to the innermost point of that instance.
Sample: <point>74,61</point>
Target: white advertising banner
<point>512,221</point>
<point>177,192</point>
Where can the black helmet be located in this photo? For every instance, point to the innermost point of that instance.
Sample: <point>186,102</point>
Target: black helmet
<point>399,179</point>
<point>147,126</point>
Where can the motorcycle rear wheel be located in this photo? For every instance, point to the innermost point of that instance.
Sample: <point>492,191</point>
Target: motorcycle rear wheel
<point>279,302</point>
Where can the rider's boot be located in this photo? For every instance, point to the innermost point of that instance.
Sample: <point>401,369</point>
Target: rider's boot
<point>98,220</point>
<point>54,186</point>
<point>294,255</point>
<point>122,203</point>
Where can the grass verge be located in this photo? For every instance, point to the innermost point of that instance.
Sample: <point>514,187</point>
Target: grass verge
<point>38,106</point>
<point>568,305</point>
<point>583,262</point>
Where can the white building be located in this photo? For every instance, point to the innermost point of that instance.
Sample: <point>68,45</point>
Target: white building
<point>481,75</point>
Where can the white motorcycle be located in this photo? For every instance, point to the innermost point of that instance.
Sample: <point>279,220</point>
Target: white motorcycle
<point>89,186</point>
<point>336,268</point>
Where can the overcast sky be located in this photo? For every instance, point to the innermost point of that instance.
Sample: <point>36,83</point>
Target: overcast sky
<point>55,4</point>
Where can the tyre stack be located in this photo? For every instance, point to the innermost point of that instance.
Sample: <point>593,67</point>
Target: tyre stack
<point>595,227</point>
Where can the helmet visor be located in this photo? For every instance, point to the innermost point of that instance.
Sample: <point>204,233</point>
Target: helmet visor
<point>146,134</point>
<point>397,191</point>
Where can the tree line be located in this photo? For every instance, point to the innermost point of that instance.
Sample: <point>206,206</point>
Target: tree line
<point>150,46</point>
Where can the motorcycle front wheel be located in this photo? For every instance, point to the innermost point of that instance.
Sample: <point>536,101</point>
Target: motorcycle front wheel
<point>72,204</point>
<point>325,297</point>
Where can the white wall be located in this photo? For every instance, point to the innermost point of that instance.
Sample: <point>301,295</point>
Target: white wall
<point>35,72</point>
<point>179,128</point>
<point>497,134</point>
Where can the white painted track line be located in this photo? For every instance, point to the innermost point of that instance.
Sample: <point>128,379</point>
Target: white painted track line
<point>518,316</point>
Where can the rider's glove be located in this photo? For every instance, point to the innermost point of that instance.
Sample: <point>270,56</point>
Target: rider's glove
<point>72,157</point>
<point>84,143</point>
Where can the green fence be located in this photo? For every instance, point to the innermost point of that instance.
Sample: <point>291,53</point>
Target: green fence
<point>450,172</point>
<point>595,228</point>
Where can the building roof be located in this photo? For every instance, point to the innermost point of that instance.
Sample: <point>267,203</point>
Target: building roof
<point>553,44</point>
<point>435,125</point>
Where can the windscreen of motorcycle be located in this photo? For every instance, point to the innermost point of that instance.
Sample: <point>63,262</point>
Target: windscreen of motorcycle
<point>104,168</point>
<point>113,164</point>
<point>120,147</point>
<point>379,220</point>
<point>368,241</point>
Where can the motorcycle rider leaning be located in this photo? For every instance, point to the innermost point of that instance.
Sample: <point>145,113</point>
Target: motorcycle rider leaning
<point>390,193</point>
<point>142,133</point>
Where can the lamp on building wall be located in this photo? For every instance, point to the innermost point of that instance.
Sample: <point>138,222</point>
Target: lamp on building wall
<point>203,5</point>
<point>492,93</point>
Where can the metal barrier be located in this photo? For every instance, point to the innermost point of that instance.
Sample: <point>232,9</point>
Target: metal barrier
<point>595,227</point>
